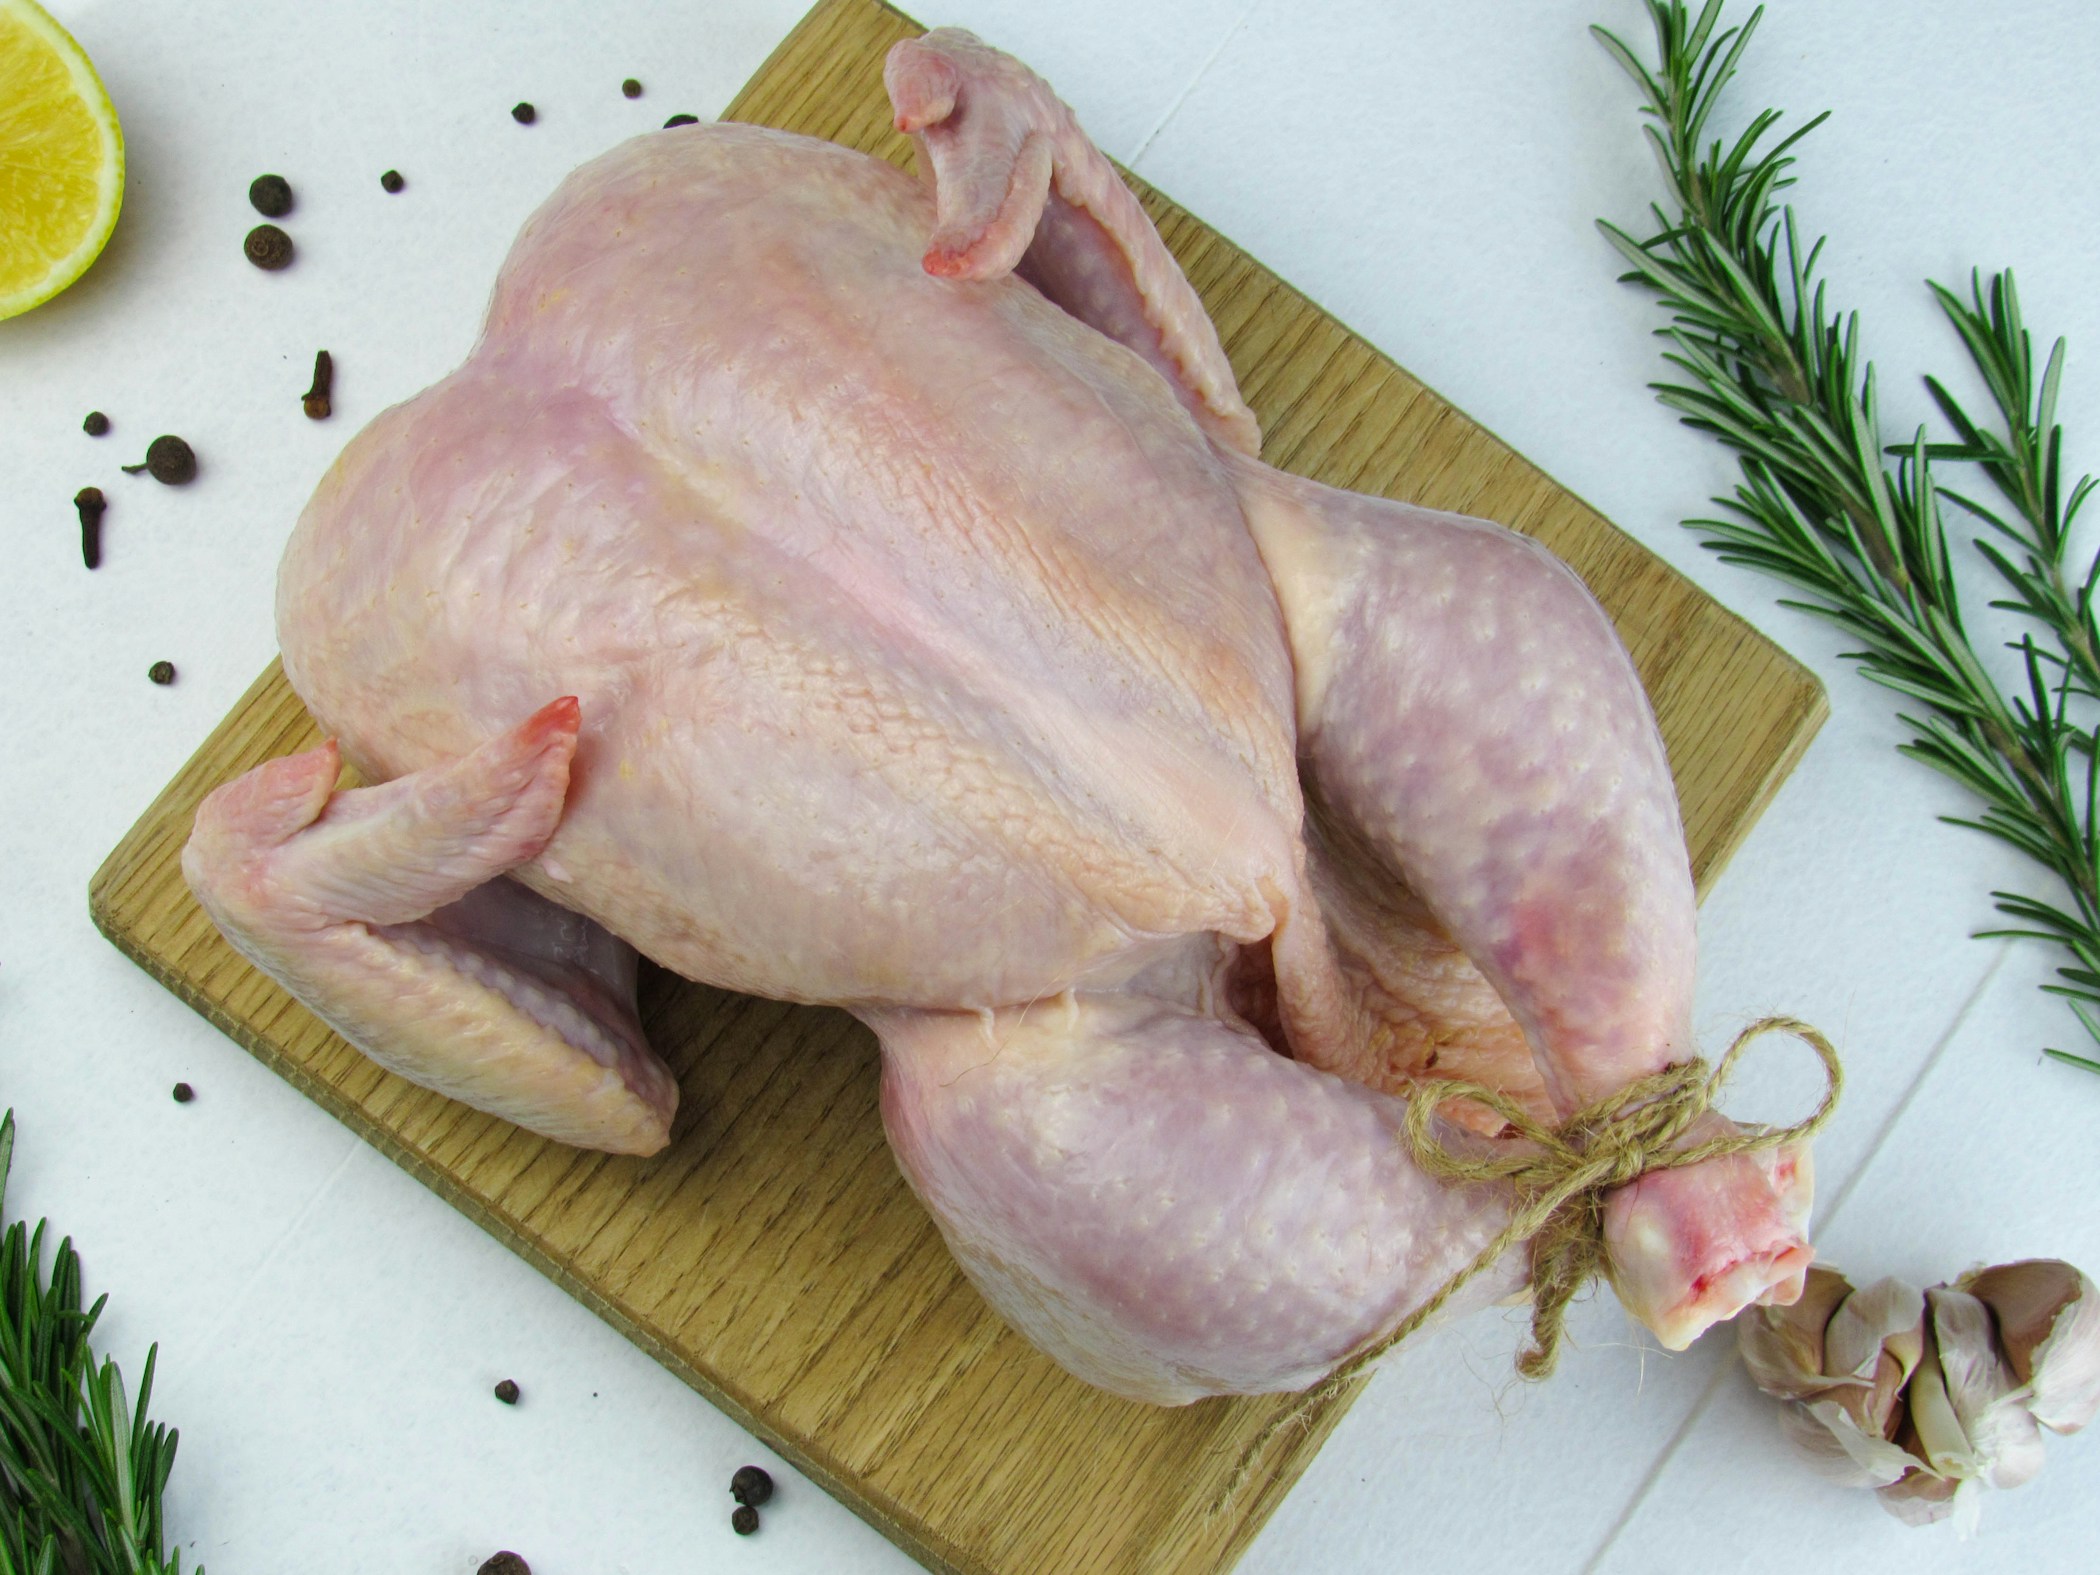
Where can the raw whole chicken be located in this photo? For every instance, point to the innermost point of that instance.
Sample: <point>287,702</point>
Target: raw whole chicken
<point>852,589</point>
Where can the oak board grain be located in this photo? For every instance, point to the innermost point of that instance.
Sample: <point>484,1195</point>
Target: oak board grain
<point>772,1257</point>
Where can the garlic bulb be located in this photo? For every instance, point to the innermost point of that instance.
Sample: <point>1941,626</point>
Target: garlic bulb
<point>1929,1397</point>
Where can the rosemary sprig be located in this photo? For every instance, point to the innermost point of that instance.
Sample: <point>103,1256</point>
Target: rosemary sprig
<point>81,1470</point>
<point>1765,365</point>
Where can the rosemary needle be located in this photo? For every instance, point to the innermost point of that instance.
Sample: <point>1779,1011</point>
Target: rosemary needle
<point>1764,365</point>
<point>81,1468</point>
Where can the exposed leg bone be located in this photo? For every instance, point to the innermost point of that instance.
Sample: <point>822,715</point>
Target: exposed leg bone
<point>1018,186</point>
<point>1467,711</point>
<point>380,909</point>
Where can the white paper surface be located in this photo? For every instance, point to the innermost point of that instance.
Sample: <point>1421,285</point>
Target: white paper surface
<point>330,1330</point>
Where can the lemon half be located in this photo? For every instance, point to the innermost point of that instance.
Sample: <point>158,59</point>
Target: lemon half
<point>61,159</point>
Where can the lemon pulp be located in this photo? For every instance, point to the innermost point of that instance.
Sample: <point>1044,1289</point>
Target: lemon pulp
<point>61,159</point>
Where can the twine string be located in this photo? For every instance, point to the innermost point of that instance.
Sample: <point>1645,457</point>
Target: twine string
<point>1560,1177</point>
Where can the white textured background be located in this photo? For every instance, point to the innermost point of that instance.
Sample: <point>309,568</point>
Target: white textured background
<point>1430,173</point>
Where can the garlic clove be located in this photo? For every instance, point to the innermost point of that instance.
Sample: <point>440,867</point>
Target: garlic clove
<point>2004,1443</point>
<point>1887,1318</point>
<point>1876,1338</point>
<point>1844,1355</point>
<point>1934,1432</point>
<point>2048,1321</point>
<point>1783,1346</point>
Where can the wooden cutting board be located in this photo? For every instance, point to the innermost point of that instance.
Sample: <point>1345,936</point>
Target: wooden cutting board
<point>772,1257</point>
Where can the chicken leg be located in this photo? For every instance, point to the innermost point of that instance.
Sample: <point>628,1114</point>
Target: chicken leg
<point>1467,712</point>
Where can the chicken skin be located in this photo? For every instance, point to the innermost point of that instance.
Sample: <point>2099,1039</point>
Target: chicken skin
<point>860,590</point>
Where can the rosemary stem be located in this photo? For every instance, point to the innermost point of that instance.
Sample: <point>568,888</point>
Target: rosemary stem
<point>1779,379</point>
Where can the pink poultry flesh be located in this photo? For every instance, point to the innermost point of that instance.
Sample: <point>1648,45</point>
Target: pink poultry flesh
<point>851,589</point>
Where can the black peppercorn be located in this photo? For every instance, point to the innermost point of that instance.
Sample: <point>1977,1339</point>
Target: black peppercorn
<point>163,673</point>
<point>681,120</point>
<point>751,1485</point>
<point>319,399</point>
<point>507,1391</point>
<point>504,1563</point>
<point>743,1520</point>
<point>392,180</point>
<point>90,502</point>
<point>271,196</point>
<point>524,114</point>
<point>184,1093</point>
<point>268,247</point>
<point>631,88</point>
<point>168,459</point>
<point>96,424</point>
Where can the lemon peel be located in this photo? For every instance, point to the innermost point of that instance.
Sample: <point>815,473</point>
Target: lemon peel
<point>61,159</point>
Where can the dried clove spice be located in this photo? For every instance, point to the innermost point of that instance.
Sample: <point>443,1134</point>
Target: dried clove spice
<point>271,196</point>
<point>392,181</point>
<point>162,673</point>
<point>507,1391</point>
<point>90,502</point>
<point>268,247</point>
<point>743,1520</point>
<point>504,1563</point>
<point>184,1093</point>
<point>524,114</point>
<point>681,120</point>
<point>751,1485</point>
<point>96,424</point>
<point>168,460</point>
<point>318,400</point>
<point>631,88</point>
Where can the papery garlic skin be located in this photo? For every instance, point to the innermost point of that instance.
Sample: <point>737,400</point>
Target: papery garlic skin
<point>2048,1321</point>
<point>1842,1451</point>
<point>2067,1368</point>
<point>1783,1346</point>
<point>1921,1498</point>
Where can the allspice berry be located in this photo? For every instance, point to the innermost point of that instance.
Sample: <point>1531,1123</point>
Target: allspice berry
<point>504,1563</point>
<point>268,247</point>
<point>743,1520</point>
<point>271,196</point>
<point>751,1485</point>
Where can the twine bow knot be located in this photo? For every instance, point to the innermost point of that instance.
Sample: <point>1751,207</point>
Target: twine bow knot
<point>1560,1177</point>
